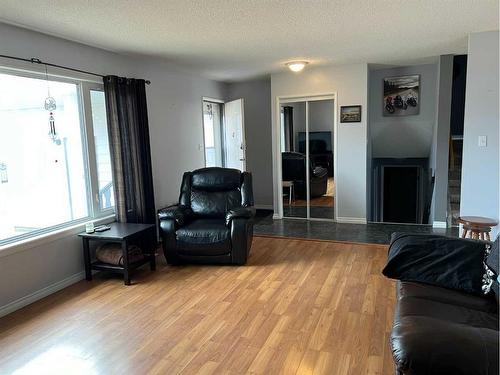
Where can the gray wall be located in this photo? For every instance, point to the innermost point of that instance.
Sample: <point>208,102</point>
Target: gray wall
<point>257,107</point>
<point>350,83</point>
<point>174,108</point>
<point>299,121</point>
<point>176,124</point>
<point>320,116</point>
<point>480,165</point>
<point>403,136</point>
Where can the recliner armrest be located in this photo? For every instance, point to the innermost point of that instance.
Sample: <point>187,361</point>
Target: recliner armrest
<point>181,214</point>
<point>240,212</point>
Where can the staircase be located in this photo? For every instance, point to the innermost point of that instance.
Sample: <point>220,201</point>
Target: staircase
<point>454,180</point>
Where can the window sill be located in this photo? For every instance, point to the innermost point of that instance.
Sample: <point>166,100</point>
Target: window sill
<point>46,238</point>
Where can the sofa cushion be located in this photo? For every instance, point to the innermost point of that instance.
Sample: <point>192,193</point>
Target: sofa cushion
<point>447,313</point>
<point>440,331</point>
<point>204,237</point>
<point>452,297</point>
<point>452,263</point>
<point>430,346</point>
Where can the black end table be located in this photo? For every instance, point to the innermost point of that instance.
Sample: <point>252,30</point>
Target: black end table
<point>142,235</point>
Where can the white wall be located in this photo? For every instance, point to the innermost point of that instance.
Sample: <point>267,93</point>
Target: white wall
<point>350,82</point>
<point>175,120</point>
<point>257,97</point>
<point>480,165</point>
<point>403,136</point>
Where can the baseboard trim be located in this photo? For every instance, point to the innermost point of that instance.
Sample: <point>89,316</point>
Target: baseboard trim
<point>39,294</point>
<point>439,224</point>
<point>276,216</point>
<point>351,220</point>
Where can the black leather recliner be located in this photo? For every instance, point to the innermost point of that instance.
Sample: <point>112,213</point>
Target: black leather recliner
<point>213,222</point>
<point>294,169</point>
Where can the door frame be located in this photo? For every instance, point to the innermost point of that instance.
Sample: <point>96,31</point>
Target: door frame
<point>284,99</point>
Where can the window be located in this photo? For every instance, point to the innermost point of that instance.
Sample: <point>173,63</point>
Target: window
<point>212,124</point>
<point>50,182</point>
<point>106,197</point>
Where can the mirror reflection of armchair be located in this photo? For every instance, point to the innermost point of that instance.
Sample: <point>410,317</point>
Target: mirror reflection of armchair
<point>294,169</point>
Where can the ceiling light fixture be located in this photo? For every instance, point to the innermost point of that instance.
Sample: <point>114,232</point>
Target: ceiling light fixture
<point>296,66</point>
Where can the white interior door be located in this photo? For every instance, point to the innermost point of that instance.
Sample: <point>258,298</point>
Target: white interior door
<point>234,135</point>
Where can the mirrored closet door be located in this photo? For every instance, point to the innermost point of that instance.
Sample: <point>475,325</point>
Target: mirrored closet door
<point>307,158</point>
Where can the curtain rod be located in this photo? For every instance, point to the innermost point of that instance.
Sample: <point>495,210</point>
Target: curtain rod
<point>35,60</point>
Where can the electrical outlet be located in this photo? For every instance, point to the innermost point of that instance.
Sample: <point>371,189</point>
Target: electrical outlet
<point>482,141</point>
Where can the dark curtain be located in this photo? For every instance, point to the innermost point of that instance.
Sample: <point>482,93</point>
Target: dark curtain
<point>288,117</point>
<point>130,149</point>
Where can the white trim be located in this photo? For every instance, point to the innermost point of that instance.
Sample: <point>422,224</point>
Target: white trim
<point>213,100</point>
<point>307,97</point>
<point>36,70</point>
<point>439,224</point>
<point>39,294</point>
<point>351,220</point>
<point>29,243</point>
<point>276,217</point>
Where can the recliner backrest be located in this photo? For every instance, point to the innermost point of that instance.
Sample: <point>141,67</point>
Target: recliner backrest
<point>293,166</point>
<point>212,192</point>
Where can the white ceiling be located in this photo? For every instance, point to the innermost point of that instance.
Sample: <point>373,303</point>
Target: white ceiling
<point>238,39</point>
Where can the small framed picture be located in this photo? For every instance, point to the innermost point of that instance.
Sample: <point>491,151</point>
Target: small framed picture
<point>350,113</point>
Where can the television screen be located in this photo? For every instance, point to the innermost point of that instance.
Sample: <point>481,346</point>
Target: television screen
<point>319,142</point>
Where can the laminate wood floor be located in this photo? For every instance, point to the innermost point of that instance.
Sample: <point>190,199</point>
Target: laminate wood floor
<point>298,307</point>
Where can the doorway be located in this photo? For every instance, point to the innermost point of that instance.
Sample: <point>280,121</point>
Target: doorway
<point>307,148</point>
<point>224,134</point>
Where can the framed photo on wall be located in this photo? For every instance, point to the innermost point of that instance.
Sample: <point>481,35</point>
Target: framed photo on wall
<point>350,113</point>
<point>402,95</point>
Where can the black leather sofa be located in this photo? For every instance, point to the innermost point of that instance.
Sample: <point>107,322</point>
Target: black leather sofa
<point>213,222</point>
<point>439,330</point>
<point>294,169</point>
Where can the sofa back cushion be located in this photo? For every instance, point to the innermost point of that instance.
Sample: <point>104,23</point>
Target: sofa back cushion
<point>212,192</point>
<point>214,203</point>
<point>216,179</point>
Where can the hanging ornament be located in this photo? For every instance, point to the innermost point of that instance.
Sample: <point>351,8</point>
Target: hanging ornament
<point>4,178</point>
<point>210,111</point>
<point>50,105</point>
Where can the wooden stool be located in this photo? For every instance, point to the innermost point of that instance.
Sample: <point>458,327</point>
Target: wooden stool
<point>477,227</point>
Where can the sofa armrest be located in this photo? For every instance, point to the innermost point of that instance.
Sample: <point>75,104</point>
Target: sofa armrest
<point>180,214</point>
<point>240,212</point>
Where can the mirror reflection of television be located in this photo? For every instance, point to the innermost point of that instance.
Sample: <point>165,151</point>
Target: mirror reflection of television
<point>319,142</point>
